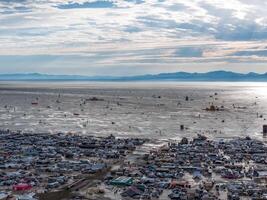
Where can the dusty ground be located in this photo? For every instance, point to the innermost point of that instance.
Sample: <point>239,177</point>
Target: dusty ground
<point>153,110</point>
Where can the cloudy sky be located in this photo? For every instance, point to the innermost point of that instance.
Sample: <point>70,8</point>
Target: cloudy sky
<point>129,37</point>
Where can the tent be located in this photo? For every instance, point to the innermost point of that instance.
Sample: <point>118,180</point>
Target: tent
<point>22,187</point>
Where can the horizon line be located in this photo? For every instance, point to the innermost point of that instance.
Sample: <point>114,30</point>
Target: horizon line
<point>118,76</point>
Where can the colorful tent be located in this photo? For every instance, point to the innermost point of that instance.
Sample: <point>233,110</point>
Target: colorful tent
<point>22,187</point>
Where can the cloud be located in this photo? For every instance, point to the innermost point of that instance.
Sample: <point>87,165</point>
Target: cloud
<point>60,35</point>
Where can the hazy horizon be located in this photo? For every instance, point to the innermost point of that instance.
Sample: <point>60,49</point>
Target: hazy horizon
<point>204,72</point>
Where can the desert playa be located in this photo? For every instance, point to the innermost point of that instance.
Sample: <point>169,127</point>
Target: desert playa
<point>135,109</point>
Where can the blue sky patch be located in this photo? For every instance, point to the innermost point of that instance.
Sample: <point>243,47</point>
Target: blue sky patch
<point>94,4</point>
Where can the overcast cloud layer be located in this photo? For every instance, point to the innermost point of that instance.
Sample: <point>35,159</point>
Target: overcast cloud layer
<point>126,37</point>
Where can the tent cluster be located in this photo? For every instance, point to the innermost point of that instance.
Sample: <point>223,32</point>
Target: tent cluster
<point>197,169</point>
<point>47,162</point>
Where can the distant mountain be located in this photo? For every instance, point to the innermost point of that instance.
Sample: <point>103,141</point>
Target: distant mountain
<point>177,76</point>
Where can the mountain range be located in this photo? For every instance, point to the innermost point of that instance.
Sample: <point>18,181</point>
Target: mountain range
<point>176,76</point>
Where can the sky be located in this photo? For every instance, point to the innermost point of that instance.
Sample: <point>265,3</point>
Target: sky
<point>132,37</point>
